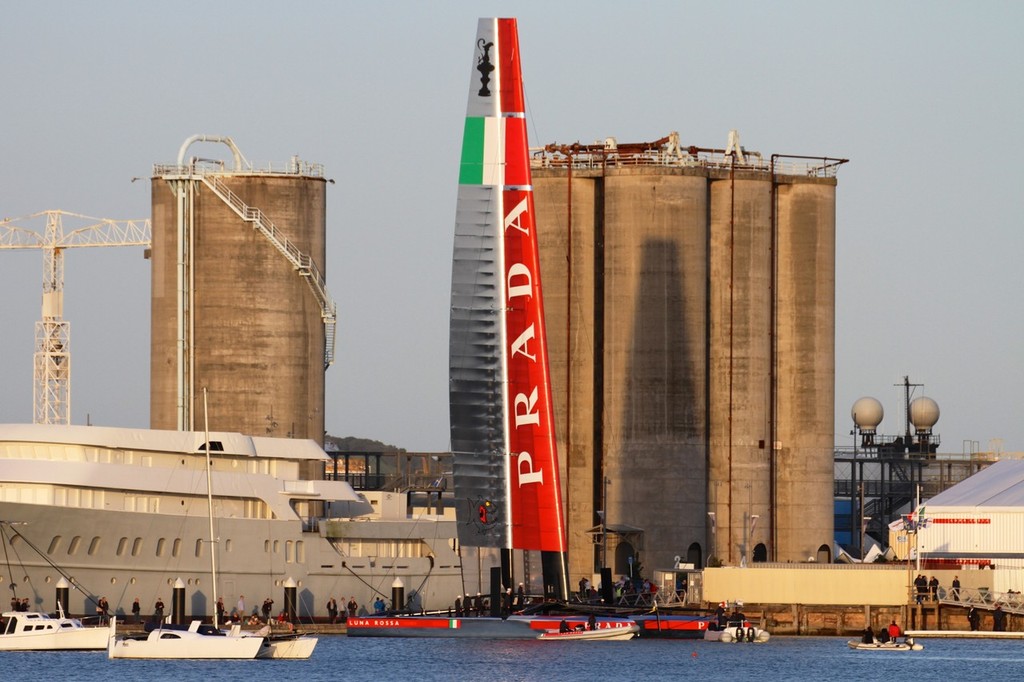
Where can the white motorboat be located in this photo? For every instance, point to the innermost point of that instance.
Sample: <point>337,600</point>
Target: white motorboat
<point>175,642</point>
<point>607,634</point>
<point>34,631</point>
<point>907,644</point>
<point>737,633</point>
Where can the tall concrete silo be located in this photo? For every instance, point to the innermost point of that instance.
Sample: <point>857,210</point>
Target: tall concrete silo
<point>804,433</point>
<point>240,306</point>
<point>739,467</point>
<point>689,297</point>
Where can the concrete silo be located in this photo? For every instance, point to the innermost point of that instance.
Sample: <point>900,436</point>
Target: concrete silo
<point>689,296</point>
<point>804,431</point>
<point>240,306</point>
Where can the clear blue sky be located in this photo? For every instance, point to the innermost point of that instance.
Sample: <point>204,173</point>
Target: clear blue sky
<point>924,98</point>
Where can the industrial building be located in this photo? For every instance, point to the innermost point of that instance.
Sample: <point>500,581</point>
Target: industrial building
<point>689,297</point>
<point>978,522</point>
<point>240,307</point>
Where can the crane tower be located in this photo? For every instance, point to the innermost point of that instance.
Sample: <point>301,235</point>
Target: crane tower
<point>52,360</point>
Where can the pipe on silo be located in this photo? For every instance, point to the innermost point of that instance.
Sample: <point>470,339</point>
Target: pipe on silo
<point>235,151</point>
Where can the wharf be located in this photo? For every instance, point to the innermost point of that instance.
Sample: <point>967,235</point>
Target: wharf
<point>963,634</point>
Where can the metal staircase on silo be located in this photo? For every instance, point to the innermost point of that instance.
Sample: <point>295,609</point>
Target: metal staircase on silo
<point>302,263</point>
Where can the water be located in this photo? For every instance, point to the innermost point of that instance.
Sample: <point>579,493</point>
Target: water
<point>807,659</point>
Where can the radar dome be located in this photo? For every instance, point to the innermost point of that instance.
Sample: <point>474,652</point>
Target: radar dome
<point>867,413</point>
<point>924,412</point>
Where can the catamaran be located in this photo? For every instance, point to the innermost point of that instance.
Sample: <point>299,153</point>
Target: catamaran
<point>505,460</point>
<point>196,641</point>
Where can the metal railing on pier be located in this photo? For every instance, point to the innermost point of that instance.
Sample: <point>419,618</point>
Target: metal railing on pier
<point>1010,602</point>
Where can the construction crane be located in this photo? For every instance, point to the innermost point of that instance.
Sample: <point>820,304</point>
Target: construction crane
<point>52,360</point>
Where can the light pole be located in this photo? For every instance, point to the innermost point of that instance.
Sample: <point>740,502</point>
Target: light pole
<point>714,543</point>
<point>749,539</point>
<point>604,522</point>
<point>910,528</point>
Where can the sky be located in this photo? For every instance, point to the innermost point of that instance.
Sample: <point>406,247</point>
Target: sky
<point>923,98</point>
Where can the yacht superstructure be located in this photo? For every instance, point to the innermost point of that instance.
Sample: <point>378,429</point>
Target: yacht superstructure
<point>123,513</point>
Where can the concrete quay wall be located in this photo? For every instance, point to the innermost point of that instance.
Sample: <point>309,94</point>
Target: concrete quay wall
<point>814,599</point>
<point>825,620</point>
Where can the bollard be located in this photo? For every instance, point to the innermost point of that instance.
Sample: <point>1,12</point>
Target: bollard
<point>178,602</point>
<point>397,595</point>
<point>63,590</point>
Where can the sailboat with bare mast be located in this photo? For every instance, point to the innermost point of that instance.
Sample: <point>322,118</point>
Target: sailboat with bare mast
<point>197,641</point>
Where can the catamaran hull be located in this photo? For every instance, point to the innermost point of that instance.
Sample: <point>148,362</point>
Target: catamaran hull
<point>291,647</point>
<point>514,627</point>
<point>672,627</point>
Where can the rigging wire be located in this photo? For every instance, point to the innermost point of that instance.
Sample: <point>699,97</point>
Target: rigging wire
<point>90,597</point>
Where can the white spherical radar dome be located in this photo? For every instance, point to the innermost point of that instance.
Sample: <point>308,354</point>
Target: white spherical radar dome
<point>924,413</point>
<point>867,413</point>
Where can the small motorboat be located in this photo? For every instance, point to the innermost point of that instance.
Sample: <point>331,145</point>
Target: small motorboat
<point>607,634</point>
<point>907,644</point>
<point>35,631</point>
<point>737,633</point>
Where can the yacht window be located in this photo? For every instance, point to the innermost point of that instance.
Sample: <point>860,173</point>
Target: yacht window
<point>54,544</point>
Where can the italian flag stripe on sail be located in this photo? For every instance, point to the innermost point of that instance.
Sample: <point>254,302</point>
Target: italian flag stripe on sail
<point>482,151</point>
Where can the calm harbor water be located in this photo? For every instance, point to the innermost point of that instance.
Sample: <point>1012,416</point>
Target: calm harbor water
<point>339,658</point>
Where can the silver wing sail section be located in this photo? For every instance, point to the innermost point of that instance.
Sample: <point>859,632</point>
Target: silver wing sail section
<point>476,370</point>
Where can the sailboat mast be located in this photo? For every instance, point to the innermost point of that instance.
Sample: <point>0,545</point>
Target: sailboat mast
<point>209,505</point>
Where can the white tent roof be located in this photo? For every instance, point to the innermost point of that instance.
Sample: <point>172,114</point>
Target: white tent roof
<point>1000,485</point>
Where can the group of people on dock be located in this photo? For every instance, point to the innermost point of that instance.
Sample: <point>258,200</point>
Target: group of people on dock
<point>998,619</point>
<point>625,591</point>
<point>480,605</point>
<point>926,588</point>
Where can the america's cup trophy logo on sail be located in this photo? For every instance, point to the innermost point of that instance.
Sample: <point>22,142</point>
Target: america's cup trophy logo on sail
<point>502,422</point>
<point>484,66</point>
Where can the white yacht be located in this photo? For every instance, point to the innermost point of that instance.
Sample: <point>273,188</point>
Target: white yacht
<point>34,631</point>
<point>123,513</point>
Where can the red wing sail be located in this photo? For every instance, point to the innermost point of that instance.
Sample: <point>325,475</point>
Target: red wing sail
<point>498,345</point>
